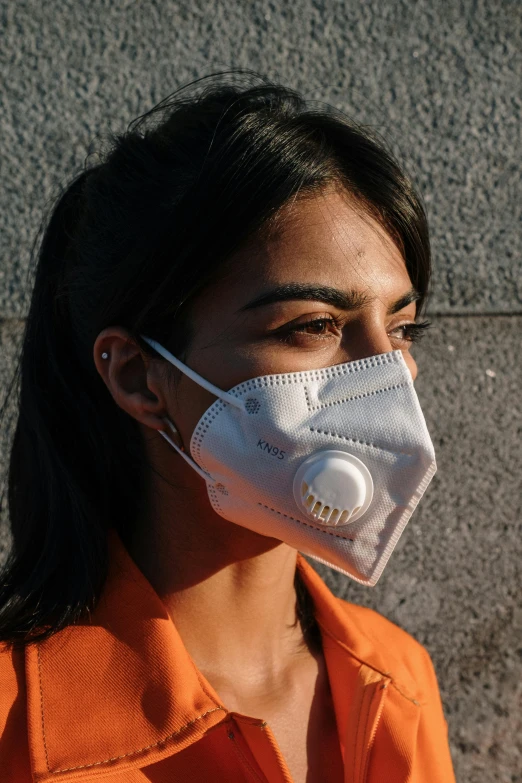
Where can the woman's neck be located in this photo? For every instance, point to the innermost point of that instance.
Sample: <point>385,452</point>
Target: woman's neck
<point>229,591</point>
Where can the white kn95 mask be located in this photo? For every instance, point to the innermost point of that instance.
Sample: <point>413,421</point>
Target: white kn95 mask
<point>332,461</point>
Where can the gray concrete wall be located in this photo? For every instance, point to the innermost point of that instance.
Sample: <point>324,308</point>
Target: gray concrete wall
<point>441,79</point>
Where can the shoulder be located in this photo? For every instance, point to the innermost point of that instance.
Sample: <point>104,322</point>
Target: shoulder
<point>413,704</point>
<point>371,639</point>
<point>383,645</point>
<point>378,628</point>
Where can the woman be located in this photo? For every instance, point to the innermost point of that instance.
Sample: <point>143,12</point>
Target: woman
<point>158,622</point>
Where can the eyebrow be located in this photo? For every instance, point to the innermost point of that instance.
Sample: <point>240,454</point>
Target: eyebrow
<point>343,300</point>
<point>408,298</point>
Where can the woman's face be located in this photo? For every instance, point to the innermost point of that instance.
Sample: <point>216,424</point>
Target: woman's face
<point>327,286</point>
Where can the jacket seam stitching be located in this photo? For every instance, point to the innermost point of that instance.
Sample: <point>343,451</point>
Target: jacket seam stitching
<point>416,702</point>
<point>391,678</point>
<point>114,758</point>
<point>42,707</point>
<point>374,732</point>
<point>141,750</point>
<point>357,731</point>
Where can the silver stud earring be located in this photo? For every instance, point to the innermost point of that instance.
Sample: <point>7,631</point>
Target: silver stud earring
<point>105,355</point>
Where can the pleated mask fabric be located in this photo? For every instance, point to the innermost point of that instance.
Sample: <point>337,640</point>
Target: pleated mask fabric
<point>331,461</point>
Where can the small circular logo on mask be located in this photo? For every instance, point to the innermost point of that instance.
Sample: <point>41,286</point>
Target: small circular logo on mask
<point>252,405</point>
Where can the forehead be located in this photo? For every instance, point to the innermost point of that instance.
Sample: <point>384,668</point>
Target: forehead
<point>326,239</point>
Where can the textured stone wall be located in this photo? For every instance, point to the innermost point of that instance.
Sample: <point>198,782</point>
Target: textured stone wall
<point>441,81</point>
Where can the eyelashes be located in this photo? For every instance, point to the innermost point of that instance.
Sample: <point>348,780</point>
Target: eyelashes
<point>317,324</point>
<point>414,332</point>
<point>321,327</point>
<point>324,327</point>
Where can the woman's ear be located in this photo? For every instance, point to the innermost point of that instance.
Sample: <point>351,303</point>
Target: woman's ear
<point>136,382</point>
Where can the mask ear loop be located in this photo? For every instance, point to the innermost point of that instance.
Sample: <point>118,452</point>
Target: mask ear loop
<point>222,395</point>
<point>188,460</point>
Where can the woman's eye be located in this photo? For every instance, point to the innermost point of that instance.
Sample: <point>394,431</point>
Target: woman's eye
<point>410,332</point>
<point>315,326</point>
<point>322,327</point>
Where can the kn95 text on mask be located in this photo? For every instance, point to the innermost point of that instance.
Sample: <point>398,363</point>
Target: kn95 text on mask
<point>332,461</point>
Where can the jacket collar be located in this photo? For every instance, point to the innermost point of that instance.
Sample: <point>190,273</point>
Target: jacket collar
<point>367,637</point>
<point>121,690</point>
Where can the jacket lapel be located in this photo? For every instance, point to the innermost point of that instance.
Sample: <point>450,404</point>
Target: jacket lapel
<point>372,688</point>
<point>119,690</point>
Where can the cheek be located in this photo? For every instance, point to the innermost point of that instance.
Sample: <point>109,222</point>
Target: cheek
<point>411,363</point>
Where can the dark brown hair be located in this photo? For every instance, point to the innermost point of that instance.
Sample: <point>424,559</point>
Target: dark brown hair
<point>130,241</point>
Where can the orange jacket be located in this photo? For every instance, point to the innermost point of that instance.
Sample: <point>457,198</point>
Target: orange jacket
<point>119,699</point>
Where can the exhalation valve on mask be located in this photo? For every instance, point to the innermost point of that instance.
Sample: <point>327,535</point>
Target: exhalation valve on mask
<point>333,487</point>
<point>331,461</point>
